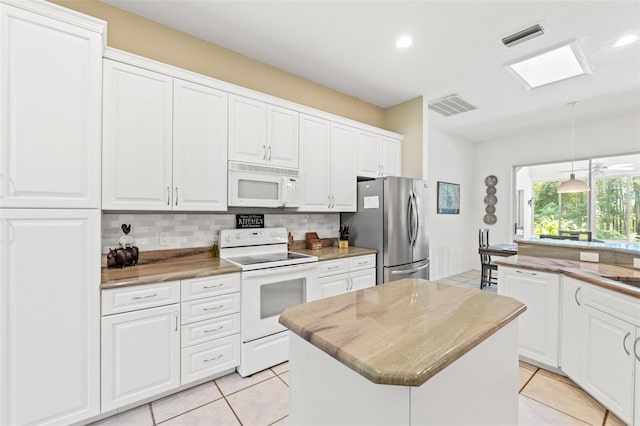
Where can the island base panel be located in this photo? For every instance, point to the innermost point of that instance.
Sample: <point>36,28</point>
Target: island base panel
<point>479,388</point>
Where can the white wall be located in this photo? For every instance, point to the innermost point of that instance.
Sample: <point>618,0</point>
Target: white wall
<point>451,159</point>
<point>619,135</point>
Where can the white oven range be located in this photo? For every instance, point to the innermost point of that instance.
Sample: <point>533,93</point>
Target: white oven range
<point>272,280</point>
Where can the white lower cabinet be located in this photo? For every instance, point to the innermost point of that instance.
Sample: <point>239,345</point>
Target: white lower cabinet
<point>608,361</point>
<point>49,316</point>
<point>344,275</point>
<point>571,317</point>
<point>636,353</point>
<point>210,326</point>
<point>140,355</point>
<point>539,325</point>
<point>158,337</point>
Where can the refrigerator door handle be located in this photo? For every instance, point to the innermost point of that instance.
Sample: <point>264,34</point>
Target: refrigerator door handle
<point>417,219</point>
<point>409,271</point>
<point>410,220</point>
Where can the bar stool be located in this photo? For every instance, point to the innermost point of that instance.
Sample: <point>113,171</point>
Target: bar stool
<point>487,276</point>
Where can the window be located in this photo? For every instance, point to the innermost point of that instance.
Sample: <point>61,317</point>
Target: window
<point>611,211</point>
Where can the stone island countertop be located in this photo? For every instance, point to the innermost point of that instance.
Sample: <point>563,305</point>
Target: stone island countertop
<point>608,276</point>
<point>402,332</point>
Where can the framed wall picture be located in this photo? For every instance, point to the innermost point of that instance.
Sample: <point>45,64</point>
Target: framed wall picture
<point>448,198</point>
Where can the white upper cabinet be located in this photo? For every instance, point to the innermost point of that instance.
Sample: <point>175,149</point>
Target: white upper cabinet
<point>377,155</point>
<point>328,165</point>
<point>137,138</point>
<point>260,133</point>
<point>50,316</point>
<point>199,147</point>
<point>390,151</point>
<point>315,149</point>
<point>164,144</point>
<point>343,168</point>
<point>50,106</point>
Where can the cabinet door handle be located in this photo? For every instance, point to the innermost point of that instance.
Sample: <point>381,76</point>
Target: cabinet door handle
<point>168,196</point>
<point>333,267</point>
<point>526,273</point>
<point>145,297</point>
<point>635,349</point>
<point>214,330</point>
<point>349,283</point>
<point>213,286</point>
<point>213,359</point>
<point>176,195</point>
<point>333,201</point>
<point>624,342</point>
<point>575,296</point>
<point>212,309</point>
<point>176,318</point>
<point>329,205</point>
<point>264,152</point>
<point>269,153</point>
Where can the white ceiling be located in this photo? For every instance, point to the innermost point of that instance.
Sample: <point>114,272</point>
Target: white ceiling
<point>350,47</point>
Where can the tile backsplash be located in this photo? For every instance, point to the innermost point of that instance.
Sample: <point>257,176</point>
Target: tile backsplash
<point>184,230</point>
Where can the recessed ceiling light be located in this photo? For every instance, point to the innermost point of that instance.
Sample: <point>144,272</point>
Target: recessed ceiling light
<point>626,40</point>
<point>550,66</point>
<point>404,42</point>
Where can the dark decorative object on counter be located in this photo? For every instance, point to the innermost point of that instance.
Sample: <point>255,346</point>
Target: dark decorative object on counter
<point>121,257</point>
<point>290,241</point>
<point>127,253</point>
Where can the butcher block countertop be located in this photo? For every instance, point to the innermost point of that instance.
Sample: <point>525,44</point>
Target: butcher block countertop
<point>169,265</point>
<point>402,332</point>
<point>611,277</point>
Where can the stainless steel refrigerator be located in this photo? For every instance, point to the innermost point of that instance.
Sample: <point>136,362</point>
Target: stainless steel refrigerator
<point>392,219</point>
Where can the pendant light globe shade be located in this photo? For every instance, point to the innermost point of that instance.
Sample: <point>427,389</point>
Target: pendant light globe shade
<point>573,185</point>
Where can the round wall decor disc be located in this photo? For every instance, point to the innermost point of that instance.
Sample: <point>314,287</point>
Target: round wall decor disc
<point>491,180</point>
<point>490,209</point>
<point>490,219</point>
<point>491,190</point>
<point>490,200</point>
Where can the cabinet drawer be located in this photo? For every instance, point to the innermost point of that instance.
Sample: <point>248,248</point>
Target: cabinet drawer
<point>331,267</point>
<point>212,307</point>
<point>210,358</point>
<point>362,262</point>
<point>197,288</point>
<point>204,331</point>
<point>118,300</point>
<point>619,305</point>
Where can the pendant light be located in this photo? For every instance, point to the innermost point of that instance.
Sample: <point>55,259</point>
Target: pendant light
<point>572,185</point>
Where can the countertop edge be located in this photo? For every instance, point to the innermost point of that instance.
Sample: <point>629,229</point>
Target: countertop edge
<point>570,268</point>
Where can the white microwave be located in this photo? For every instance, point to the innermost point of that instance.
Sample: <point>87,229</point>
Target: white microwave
<point>252,185</point>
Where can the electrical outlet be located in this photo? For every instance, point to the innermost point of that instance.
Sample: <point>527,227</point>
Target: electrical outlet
<point>164,239</point>
<point>589,257</point>
<point>636,262</point>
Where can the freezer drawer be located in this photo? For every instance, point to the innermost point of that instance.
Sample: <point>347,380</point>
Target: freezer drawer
<point>411,270</point>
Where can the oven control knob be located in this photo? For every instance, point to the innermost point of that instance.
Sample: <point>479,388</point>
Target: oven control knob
<point>238,235</point>
<point>228,239</point>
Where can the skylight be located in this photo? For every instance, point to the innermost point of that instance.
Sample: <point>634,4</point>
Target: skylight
<point>550,66</point>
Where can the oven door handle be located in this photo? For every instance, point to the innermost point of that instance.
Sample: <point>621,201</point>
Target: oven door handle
<point>280,270</point>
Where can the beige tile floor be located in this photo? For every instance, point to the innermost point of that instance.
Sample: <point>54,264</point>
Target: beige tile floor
<point>545,398</point>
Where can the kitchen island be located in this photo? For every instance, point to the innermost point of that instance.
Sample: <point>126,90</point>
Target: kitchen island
<point>407,352</point>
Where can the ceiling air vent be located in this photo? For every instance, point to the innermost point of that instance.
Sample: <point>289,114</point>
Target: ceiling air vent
<point>450,105</point>
<point>524,35</point>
